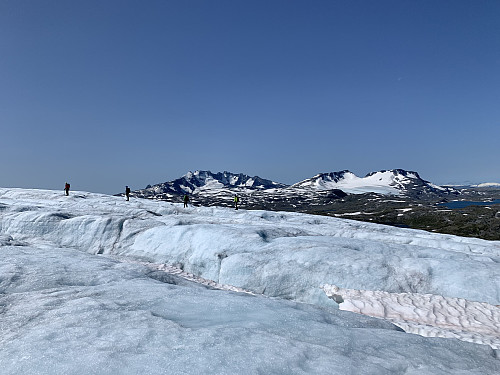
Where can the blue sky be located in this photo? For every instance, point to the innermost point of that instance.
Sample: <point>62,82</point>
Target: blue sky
<point>105,94</point>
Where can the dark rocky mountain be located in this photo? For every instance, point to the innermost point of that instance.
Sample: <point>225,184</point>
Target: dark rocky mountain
<point>206,183</point>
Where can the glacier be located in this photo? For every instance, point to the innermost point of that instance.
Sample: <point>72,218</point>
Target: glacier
<point>94,284</point>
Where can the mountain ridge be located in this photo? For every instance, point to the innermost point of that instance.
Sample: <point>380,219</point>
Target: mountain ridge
<point>217,189</point>
<point>198,181</point>
<point>387,182</point>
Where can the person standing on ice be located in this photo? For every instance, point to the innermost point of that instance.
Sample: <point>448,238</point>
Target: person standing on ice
<point>127,192</point>
<point>236,200</point>
<point>186,200</point>
<point>66,188</point>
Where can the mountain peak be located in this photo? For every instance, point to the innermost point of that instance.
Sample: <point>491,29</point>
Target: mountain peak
<point>397,172</point>
<point>388,182</point>
<point>207,180</point>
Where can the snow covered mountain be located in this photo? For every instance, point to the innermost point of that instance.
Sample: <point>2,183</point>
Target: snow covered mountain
<point>392,182</point>
<point>495,185</point>
<point>206,180</point>
<point>91,283</point>
<point>217,189</point>
<point>200,182</point>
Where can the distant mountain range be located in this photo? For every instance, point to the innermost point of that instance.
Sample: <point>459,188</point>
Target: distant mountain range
<point>207,188</point>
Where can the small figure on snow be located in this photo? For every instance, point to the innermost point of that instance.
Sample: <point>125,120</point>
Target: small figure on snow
<point>66,188</point>
<point>186,200</point>
<point>236,200</point>
<point>127,192</point>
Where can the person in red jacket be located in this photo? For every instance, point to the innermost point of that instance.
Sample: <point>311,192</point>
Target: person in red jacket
<point>66,188</point>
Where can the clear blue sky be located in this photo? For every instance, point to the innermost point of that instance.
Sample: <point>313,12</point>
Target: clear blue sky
<point>105,94</point>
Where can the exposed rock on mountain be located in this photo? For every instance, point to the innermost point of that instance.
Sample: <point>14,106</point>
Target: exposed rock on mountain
<point>218,189</point>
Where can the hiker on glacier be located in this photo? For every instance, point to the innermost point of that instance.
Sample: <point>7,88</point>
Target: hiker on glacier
<point>186,200</point>
<point>127,192</point>
<point>66,188</point>
<point>236,200</point>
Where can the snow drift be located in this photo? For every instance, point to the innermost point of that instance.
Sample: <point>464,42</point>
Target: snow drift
<point>425,314</point>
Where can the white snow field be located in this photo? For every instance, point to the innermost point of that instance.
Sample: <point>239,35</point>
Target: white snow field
<point>92,284</point>
<point>383,182</point>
